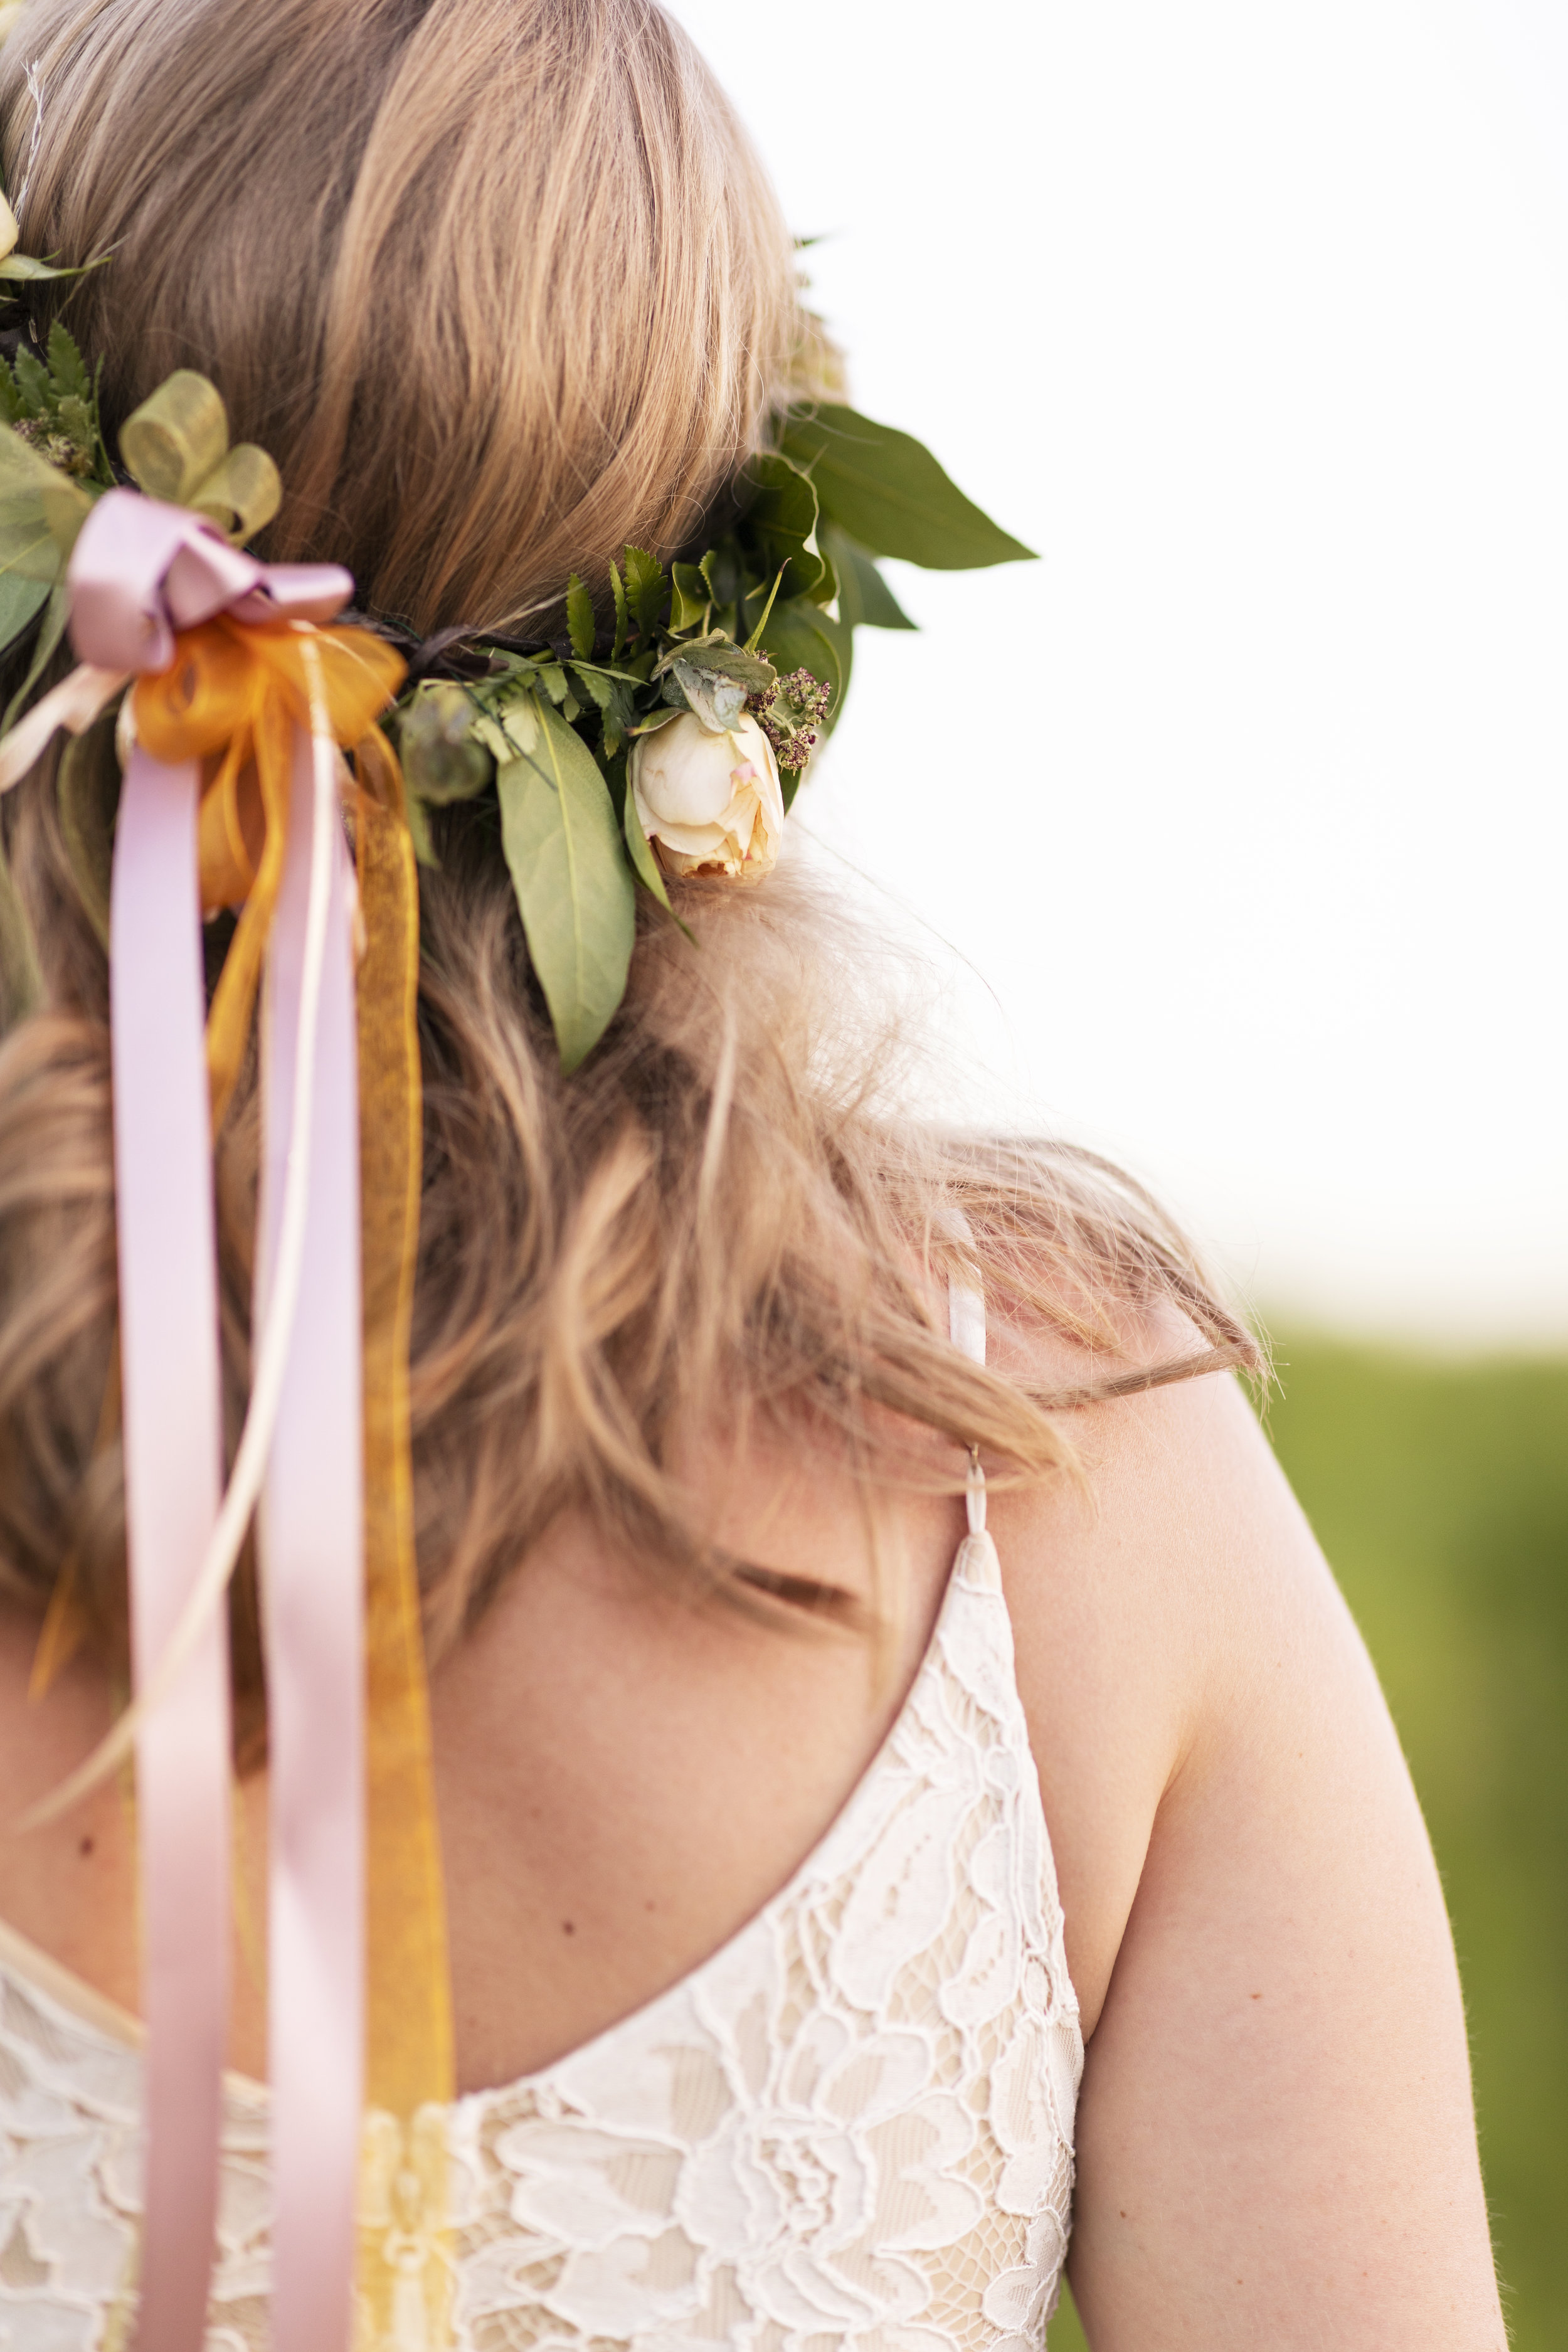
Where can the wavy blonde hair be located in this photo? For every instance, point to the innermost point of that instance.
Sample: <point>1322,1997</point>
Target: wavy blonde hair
<point>502,285</point>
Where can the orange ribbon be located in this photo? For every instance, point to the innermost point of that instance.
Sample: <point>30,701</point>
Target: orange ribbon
<point>231,699</point>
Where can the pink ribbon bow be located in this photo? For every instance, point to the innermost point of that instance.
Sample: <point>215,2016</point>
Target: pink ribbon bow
<point>140,572</point>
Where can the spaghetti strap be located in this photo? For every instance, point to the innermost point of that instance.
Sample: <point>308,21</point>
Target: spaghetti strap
<point>966,1313</point>
<point>966,1330</point>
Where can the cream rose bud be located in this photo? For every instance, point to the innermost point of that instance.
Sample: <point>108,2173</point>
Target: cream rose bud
<point>709,803</point>
<point>9,232</point>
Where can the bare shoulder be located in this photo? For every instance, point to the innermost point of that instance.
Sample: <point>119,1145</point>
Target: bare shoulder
<point>1137,1589</point>
<point>1276,2142</point>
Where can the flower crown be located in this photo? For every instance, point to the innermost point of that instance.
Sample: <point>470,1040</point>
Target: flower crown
<point>224,717</point>
<point>663,732</point>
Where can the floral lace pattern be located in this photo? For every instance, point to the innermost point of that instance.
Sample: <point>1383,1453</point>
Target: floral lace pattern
<point>850,2127</point>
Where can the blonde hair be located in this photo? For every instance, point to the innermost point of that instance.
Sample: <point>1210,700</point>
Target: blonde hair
<point>500,282</point>
<point>502,285</point>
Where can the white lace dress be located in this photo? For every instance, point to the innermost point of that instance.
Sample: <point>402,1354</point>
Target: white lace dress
<point>851,2127</point>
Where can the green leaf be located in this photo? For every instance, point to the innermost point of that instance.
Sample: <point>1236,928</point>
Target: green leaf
<point>801,635</point>
<point>639,848</point>
<point>781,517</point>
<point>67,366</point>
<point>12,407</point>
<point>689,597</point>
<point>553,678</point>
<point>494,737</point>
<point>617,708</point>
<point>724,569</point>
<point>645,588</point>
<point>88,791</point>
<point>573,883</point>
<point>580,622</point>
<point>755,639</point>
<point>520,727</point>
<point>865,599</point>
<point>617,590</point>
<point>21,979</point>
<point>419,833</point>
<point>22,266</point>
<point>20,601</point>
<point>441,744</point>
<point>720,702</point>
<point>597,688</point>
<point>887,492</point>
<point>49,635</point>
<point>718,652</point>
<point>34,382</point>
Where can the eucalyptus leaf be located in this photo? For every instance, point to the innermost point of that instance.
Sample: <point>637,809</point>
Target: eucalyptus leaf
<point>573,885</point>
<point>720,653</point>
<point>865,599</point>
<point>718,702</point>
<point>887,492</point>
<point>580,622</point>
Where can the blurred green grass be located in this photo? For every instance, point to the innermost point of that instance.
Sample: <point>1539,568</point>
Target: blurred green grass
<point>1439,1491</point>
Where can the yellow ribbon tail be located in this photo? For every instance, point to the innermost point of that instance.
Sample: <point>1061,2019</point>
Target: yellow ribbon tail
<point>409,2065</point>
<point>231,699</point>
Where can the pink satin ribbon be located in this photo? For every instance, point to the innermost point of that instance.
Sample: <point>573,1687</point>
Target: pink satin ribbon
<point>312,1533</point>
<point>140,572</point>
<point>174,1469</point>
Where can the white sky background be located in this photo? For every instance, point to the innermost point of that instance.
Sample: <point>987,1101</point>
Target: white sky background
<point>1253,318</point>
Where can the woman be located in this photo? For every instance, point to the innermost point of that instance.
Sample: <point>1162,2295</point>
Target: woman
<point>788,1873</point>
